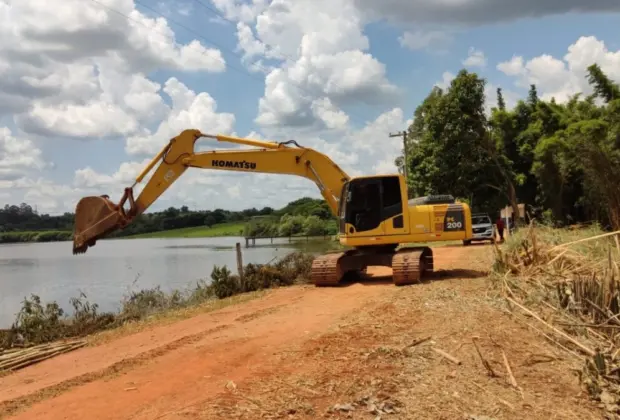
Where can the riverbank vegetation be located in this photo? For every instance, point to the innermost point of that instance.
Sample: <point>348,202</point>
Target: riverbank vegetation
<point>38,322</point>
<point>219,230</point>
<point>306,216</point>
<point>34,236</point>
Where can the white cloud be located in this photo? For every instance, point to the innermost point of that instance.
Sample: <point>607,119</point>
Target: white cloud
<point>332,117</point>
<point>327,68</point>
<point>475,58</point>
<point>78,68</point>
<point>124,176</point>
<point>189,110</point>
<point>446,78</point>
<point>512,67</point>
<point>18,156</point>
<point>562,78</point>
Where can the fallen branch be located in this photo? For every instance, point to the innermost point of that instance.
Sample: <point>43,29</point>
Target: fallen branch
<point>585,349</point>
<point>513,381</point>
<point>415,343</point>
<point>447,356</point>
<point>485,363</point>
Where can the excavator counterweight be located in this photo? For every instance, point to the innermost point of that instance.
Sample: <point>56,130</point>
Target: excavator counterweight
<point>375,216</point>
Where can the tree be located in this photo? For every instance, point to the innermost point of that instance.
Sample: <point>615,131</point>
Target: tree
<point>501,105</point>
<point>454,153</point>
<point>560,159</point>
<point>603,87</point>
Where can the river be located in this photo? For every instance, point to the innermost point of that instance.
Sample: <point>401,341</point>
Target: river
<point>115,267</point>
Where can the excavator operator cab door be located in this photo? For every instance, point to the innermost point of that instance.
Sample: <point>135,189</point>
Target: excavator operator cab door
<point>369,201</point>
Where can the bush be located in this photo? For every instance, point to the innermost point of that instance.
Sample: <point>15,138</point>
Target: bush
<point>37,323</point>
<point>45,236</point>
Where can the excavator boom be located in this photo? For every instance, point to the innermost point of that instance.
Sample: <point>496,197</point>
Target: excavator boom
<point>97,216</point>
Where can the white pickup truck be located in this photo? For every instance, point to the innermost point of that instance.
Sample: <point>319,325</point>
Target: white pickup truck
<point>482,228</point>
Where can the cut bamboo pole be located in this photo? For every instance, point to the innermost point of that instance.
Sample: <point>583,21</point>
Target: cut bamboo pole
<point>20,359</point>
<point>552,328</point>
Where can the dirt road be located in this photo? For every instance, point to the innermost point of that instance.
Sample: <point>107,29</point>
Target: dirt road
<point>298,351</point>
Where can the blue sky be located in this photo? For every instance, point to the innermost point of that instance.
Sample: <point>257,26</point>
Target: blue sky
<point>84,120</point>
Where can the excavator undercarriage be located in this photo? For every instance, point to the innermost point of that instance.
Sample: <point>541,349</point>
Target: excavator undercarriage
<point>408,264</point>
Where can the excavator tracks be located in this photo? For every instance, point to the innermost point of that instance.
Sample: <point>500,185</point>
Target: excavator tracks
<point>408,265</point>
<point>327,270</point>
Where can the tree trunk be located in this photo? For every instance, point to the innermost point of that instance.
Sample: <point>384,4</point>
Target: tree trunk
<point>514,204</point>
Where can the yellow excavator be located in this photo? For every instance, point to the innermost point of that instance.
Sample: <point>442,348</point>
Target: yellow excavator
<point>374,213</point>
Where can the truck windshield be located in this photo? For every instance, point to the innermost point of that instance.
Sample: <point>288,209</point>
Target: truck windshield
<point>480,220</point>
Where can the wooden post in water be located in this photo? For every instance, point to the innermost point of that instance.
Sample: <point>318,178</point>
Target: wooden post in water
<point>239,260</point>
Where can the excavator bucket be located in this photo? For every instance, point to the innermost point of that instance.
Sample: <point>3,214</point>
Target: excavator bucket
<point>95,217</point>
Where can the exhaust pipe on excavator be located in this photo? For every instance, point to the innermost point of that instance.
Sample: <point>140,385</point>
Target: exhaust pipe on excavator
<point>97,217</point>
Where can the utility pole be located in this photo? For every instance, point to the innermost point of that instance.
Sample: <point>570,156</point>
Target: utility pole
<point>403,134</point>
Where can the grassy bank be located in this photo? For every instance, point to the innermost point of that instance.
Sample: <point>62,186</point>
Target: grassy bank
<point>38,322</point>
<point>35,236</point>
<point>223,229</point>
<point>565,284</point>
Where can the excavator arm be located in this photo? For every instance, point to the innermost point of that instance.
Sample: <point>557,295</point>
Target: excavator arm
<point>97,216</point>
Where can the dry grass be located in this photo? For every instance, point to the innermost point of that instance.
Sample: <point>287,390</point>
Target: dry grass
<point>566,283</point>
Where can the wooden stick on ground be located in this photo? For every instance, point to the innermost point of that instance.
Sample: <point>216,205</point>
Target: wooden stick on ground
<point>513,381</point>
<point>447,356</point>
<point>585,349</point>
<point>38,354</point>
<point>416,342</point>
<point>485,363</point>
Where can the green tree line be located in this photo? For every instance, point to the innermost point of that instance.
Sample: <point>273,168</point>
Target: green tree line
<point>21,223</point>
<point>561,160</point>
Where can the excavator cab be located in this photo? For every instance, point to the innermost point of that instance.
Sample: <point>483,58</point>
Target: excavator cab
<point>367,202</point>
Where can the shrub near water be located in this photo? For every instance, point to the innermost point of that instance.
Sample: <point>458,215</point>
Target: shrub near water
<point>294,268</point>
<point>44,236</point>
<point>38,323</point>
